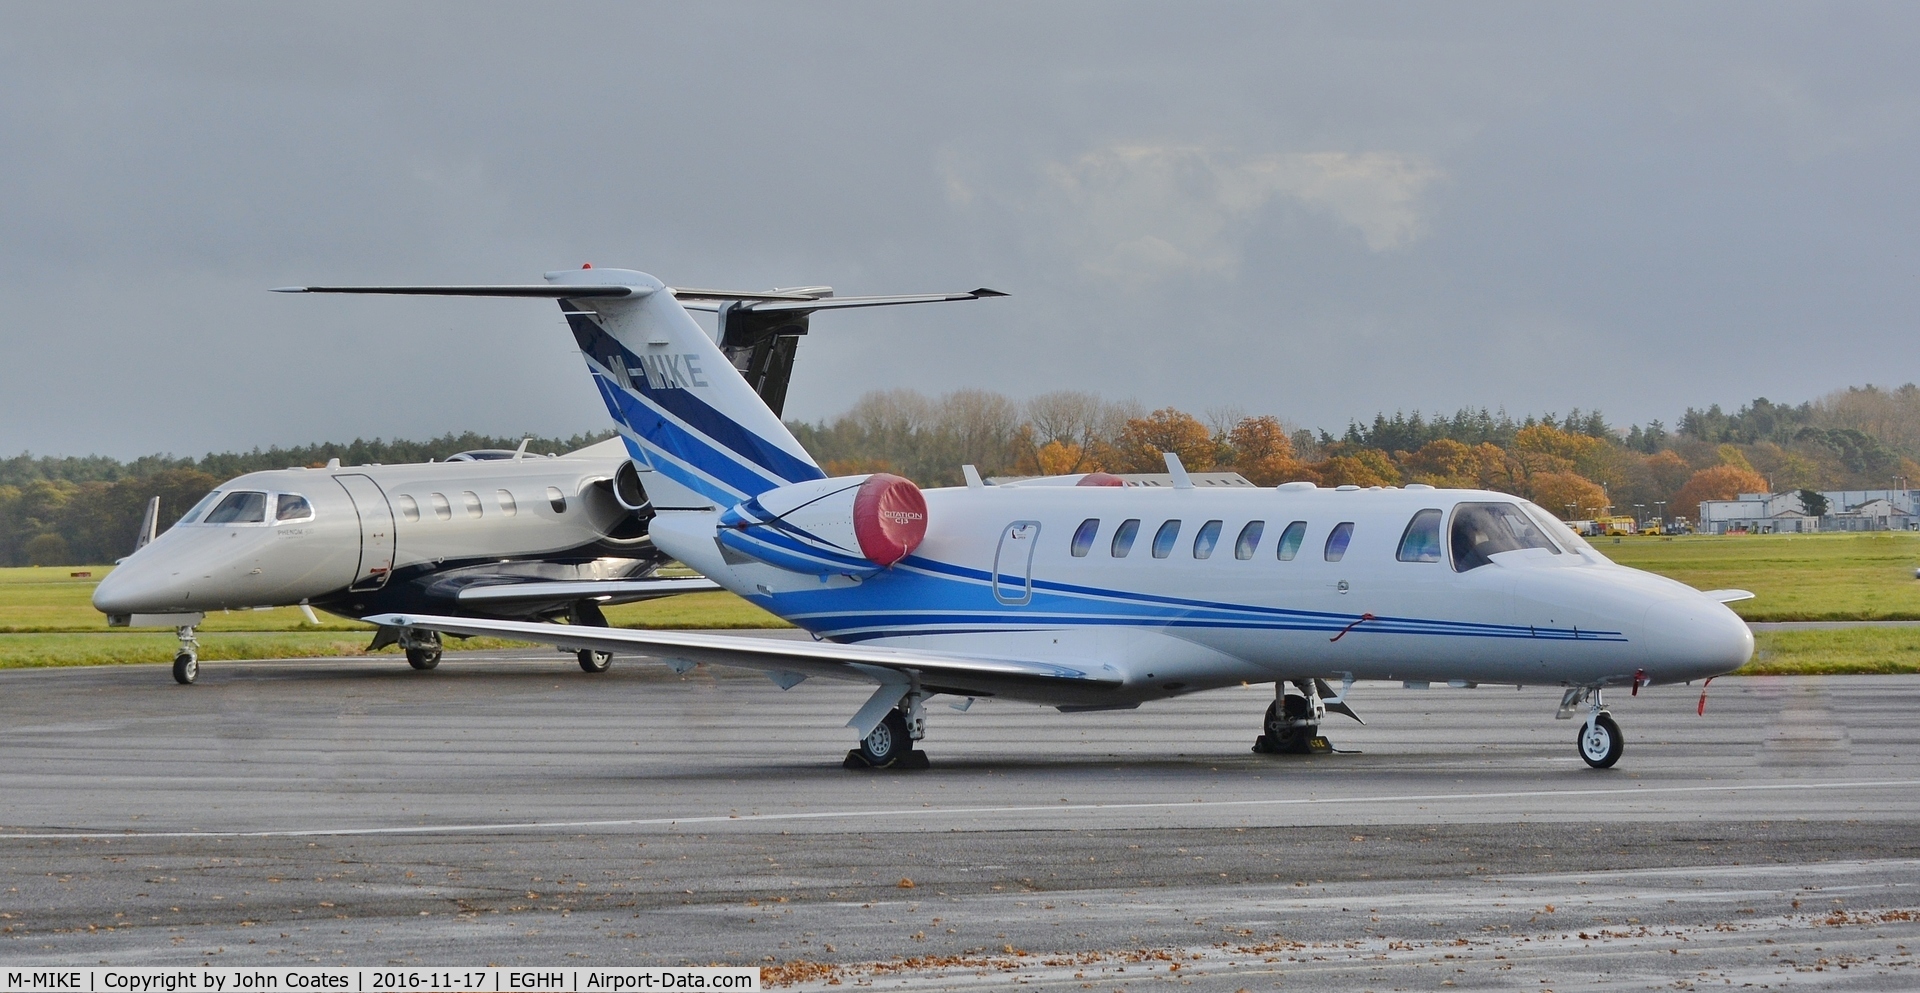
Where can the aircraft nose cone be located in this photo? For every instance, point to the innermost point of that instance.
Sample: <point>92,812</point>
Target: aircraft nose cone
<point>132,587</point>
<point>1694,638</point>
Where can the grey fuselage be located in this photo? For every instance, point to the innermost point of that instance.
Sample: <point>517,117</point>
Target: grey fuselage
<point>396,537</point>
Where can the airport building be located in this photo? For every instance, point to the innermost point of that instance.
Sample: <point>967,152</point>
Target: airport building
<point>1782,513</point>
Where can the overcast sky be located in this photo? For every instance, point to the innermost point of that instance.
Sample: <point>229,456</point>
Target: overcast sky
<point>1317,211</point>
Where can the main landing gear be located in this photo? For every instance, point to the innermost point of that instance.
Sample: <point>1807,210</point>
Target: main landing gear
<point>186,661</point>
<point>586,612</point>
<point>423,647</point>
<point>1599,741</point>
<point>1292,725</point>
<point>890,744</point>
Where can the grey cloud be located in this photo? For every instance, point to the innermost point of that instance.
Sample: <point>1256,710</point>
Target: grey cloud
<point>1311,210</point>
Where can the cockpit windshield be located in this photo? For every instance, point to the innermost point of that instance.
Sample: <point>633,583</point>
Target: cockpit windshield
<point>1483,530</point>
<point>193,513</point>
<point>240,507</point>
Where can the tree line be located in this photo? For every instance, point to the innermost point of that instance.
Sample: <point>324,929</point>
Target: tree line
<point>62,510</point>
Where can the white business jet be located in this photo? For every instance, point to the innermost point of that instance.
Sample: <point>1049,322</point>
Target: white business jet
<point>492,534</point>
<point>1080,594</point>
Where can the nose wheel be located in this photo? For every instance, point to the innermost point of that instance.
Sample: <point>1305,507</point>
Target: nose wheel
<point>186,662</point>
<point>1600,741</point>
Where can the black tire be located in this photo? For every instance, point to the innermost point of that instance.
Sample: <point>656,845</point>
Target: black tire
<point>1601,745</point>
<point>888,742</point>
<point>1284,735</point>
<point>186,668</point>
<point>423,658</point>
<point>592,661</point>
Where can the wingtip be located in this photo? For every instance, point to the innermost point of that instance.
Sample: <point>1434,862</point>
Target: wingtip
<point>289,289</point>
<point>983,292</point>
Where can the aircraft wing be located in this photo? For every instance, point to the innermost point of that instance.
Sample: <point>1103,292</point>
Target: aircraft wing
<point>886,666</point>
<point>606,590</point>
<point>774,302</point>
<point>1727,596</point>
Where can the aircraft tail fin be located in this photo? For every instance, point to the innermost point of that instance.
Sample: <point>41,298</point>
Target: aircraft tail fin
<point>149,525</point>
<point>701,436</point>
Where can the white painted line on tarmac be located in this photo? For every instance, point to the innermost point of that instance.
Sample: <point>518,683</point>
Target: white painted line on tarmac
<point>911,812</point>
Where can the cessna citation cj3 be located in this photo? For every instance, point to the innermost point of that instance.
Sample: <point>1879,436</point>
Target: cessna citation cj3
<point>1084,595</point>
<point>484,534</point>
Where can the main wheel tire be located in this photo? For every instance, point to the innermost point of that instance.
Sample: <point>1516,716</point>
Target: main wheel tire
<point>1601,745</point>
<point>888,742</point>
<point>592,661</point>
<point>1284,734</point>
<point>423,658</point>
<point>186,668</point>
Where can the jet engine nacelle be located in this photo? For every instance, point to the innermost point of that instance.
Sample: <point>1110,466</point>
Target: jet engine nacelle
<point>852,525</point>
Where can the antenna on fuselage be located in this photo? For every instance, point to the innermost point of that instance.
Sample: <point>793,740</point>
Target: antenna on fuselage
<point>1181,481</point>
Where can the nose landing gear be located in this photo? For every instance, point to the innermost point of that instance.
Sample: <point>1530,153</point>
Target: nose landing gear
<point>1599,741</point>
<point>186,662</point>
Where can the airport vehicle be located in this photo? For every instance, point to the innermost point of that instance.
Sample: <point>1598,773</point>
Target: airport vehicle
<point>499,534</point>
<point>1082,596</point>
<point>1613,526</point>
<point>1654,528</point>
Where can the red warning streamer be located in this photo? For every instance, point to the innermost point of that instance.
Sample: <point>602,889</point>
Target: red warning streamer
<point>1702,709</point>
<point>1355,624</point>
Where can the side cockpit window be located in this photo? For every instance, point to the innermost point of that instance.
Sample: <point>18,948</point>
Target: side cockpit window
<point>240,507</point>
<point>1421,542</point>
<point>1483,530</point>
<point>193,513</point>
<point>292,507</point>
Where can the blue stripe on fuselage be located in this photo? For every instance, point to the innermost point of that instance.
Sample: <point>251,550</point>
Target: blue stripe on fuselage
<point>921,594</point>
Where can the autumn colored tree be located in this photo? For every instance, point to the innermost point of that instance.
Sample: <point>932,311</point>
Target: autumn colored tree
<point>1720,482</point>
<point>1142,441</point>
<point>1444,462</point>
<point>1264,454</point>
<point>1360,467</point>
<point>1556,490</point>
<point>1669,470</point>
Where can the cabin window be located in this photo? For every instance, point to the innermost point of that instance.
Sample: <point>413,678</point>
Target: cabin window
<point>1205,539</point>
<point>243,507</point>
<point>409,509</point>
<point>1249,540</point>
<point>1083,536</point>
<point>1337,541</point>
<point>193,513</point>
<point>1290,541</point>
<point>1164,538</point>
<point>507,506</point>
<point>292,507</point>
<point>472,502</point>
<point>441,508</point>
<point>557,499</point>
<point>1483,530</point>
<point>1421,542</point>
<point>1123,537</point>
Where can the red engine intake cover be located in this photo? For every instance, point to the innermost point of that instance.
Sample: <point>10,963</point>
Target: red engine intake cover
<point>889,518</point>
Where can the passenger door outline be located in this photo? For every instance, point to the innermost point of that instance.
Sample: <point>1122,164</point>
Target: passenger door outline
<point>1017,542</point>
<point>377,538</point>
